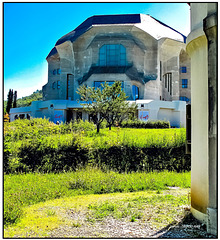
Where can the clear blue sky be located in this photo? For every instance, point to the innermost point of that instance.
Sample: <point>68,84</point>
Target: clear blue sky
<point>32,29</point>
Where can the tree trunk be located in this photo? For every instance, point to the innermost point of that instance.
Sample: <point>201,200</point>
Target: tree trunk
<point>98,127</point>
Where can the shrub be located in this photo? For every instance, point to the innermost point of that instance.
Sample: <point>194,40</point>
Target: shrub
<point>39,145</point>
<point>141,124</point>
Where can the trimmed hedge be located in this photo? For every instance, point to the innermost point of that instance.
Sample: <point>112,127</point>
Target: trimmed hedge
<point>118,158</point>
<point>142,124</point>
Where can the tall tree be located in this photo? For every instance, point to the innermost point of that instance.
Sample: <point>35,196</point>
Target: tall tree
<point>15,100</point>
<point>9,101</point>
<point>108,102</point>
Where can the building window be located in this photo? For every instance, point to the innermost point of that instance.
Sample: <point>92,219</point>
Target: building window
<point>184,83</point>
<point>160,71</point>
<point>54,72</point>
<point>135,92</point>
<point>54,85</point>
<point>165,80</point>
<point>168,82</point>
<point>183,69</point>
<point>184,99</point>
<point>112,55</point>
<point>58,84</point>
<point>58,71</point>
<point>99,84</point>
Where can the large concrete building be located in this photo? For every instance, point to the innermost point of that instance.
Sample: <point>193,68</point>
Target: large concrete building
<point>145,55</point>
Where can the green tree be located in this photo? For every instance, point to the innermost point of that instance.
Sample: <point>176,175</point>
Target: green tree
<point>9,101</point>
<point>15,100</point>
<point>108,102</point>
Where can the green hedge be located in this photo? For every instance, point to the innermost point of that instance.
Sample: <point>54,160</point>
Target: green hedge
<point>33,157</point>
<point>39,145</point>
<point>142,124</point>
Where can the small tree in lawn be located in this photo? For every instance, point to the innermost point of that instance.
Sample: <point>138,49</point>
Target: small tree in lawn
<point>106,103</point>
<point>94,103</point>
<point>117,108</point>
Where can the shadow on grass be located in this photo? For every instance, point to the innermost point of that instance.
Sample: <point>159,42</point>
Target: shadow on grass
<point>189,227</point>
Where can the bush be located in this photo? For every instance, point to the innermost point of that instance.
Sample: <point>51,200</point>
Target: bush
<point>141,124</point>
<point>132,159</point>
<point>39,145</point>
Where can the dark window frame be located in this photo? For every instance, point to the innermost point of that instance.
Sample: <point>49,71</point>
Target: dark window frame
<point>184,69</point>
<point>135,92</point>
<point>184,83</point>
<point>112,55</point>
<point>58,84</point>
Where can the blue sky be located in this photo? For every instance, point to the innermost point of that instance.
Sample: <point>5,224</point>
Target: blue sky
<point>32,29</point>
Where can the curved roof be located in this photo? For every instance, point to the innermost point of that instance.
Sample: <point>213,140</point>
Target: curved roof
<point>144,22</point>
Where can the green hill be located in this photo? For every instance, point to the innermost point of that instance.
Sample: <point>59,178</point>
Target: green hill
<point>26,101</point>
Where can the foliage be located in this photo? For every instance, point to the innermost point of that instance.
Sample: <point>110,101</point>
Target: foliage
<point>141,124</point>
<point>9,100</point>
<point>156,209</point>
<point>134,208</point>
<point>40,145</point>
<point>26,101</point>
<point>15,100</point>
<point>6,117</point>
<point>108,103</point>
<point>27,189</point>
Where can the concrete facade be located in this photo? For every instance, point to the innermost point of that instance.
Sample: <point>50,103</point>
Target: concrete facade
<point>151,59</point>
<point>148,57</point>
<point>202,48</point>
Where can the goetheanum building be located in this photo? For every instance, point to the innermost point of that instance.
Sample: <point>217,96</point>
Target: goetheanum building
<point>145,55</point>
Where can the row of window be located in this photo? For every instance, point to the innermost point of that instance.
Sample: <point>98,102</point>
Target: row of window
<point>135,89</point>
<point>56,84</point>
<point>168,82</point>
<point>57,71</point>
<point>22,116</point>
<point>98,84</point>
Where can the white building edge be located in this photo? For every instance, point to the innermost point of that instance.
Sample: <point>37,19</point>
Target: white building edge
<point>57,110</point>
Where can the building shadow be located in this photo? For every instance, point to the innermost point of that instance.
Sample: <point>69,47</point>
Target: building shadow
<point>189,227</point>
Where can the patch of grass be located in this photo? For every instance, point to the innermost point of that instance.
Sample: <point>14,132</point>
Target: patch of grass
<point>158,210</point>
<point>136,137</point>
<point>76,224</point>
<point>28,189</point>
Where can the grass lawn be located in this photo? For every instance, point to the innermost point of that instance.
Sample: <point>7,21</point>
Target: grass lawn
<point>135,137</point>
<point>23,190</point>
<point>157,209</point>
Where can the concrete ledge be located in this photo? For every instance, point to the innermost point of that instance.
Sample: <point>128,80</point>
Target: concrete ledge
<point>212,226</point>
